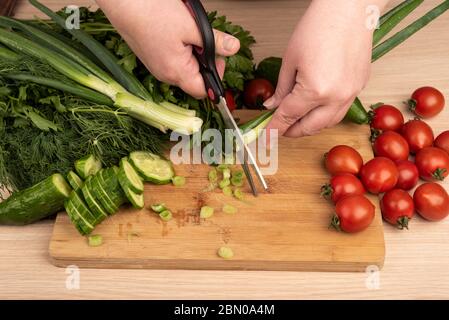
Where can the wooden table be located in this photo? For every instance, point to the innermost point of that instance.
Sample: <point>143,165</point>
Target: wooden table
<point>417,261</point>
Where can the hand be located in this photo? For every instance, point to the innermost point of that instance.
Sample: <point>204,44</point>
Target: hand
<point>162,33</point>
<point>326,65</point>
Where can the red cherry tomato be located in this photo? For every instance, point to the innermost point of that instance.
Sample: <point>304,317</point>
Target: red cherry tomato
<point>386,118</point>
<point>431,201</point>
<point>343,159</point>
<point>256,92</point>
<point>432,164</point>
<point>397,208</point>
<point>442,141</point>
<point>391,145</point>
<point>426,102</point>
<point>230,101</point>
<point>341,186</point>
<point>418,135</point>
<point>379,175</point>
<point>408,175</point>
<point>353,214</point>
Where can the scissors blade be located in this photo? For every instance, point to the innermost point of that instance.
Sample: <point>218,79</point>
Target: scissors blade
<point>231,124</point>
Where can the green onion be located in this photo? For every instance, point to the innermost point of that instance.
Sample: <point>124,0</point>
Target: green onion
<point>227,208</point>
<point>158,207</point>
<point>206,212</point>
<point>227,191</point>
<point>178,181</point>
<point>7,54</point>
<point>166,215</point>
<point>95,240</point>
<point>238,194</point>
<point>222,167</point>
<point>237,181</point>
<point>393,11</point>
<point>238,174</point>
<point>225,253</point>
<point>213,175</point>
<point>227,173</point>
<point>410,30</point>
<point>224,183</point>
<point>394,19</point>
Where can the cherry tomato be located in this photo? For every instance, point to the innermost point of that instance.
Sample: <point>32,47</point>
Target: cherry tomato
<point>230,101</point>
<point>342,185</point>
<point>379,175</point>
<point>343,159</point>
<point>397,208</point>
<point>256,92</point>
<point>432,164</point>
<point>418,135</point>
<point>353,214</point>
<point>408,175</point>
<point>386,118</point>
<point>431,201</point>
<point>391,145</point>
<point>426,102</point>
<point>442,141</point>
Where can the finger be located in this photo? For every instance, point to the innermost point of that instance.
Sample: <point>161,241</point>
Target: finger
<point>225,44</point>
<point>310,124</point>
<point>292,108</point>
<point>286,82</point>
<point>189,78</point>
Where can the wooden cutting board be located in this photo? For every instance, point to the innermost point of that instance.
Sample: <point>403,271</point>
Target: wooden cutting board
<point>285,228</point>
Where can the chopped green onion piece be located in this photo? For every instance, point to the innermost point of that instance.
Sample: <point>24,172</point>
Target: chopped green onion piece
<point>206,212</point>
<point>213,175</point>
<point>238,193</point>
<point>227,208</point>
<point>237,174</point>
<point>178,181</point>
<point>222,167</point>
<point>225,253</point>
<point>226,173</point>
<point>237,182</point>
<point>158,207</point>
<point>227,191</point>
<point>95,240</point>
<point>166,215</point>
<point>224,183</point>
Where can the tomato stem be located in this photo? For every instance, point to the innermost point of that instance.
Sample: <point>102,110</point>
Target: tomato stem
<point>375,133</point>
<point>402,222</point>
<point>335,223</point>
<point>411,103</point>
<point>439,174</point>
<point>326,191</point>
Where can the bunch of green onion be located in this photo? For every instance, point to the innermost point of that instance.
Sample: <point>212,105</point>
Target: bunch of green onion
<point>121,90</point>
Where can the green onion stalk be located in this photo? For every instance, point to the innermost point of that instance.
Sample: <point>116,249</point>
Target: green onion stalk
<point>121,90</point>
<point>392,18</point>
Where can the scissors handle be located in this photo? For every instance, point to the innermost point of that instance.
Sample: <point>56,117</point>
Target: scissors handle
<point>206,54</point>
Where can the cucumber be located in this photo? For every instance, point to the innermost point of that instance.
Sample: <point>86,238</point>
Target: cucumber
<point>109,181</point>
<point>35,203</point>
<point>102,196</point>
<point>152,167</point>
<point>357,113</point>
<point>92,203</point>
<point>87,166</point>
<point>136,200</point>
<point>80,223</point>
<point>74,180</point>
<point>129,178</point>
<point>79,204</point>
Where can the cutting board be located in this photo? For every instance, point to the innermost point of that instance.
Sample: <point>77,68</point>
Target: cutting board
<point>285,228</point>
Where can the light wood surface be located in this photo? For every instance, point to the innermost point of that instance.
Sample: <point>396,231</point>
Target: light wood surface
<point>285,228</point>
<point>416,263</point>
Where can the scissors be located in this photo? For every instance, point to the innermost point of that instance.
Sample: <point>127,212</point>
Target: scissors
<point>215,89</point>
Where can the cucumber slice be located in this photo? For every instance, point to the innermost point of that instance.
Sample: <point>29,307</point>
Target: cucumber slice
<point>80,223</point>
<point>152,167</point>
<point>74,180</point>
<point>136,200</point>
<point>109,181</point>
<point>92,203</point>
<point>83,209</point>
<point>87,166</point>
<point>35,203</point>
<point>129,178</point>
<point>102,196</point>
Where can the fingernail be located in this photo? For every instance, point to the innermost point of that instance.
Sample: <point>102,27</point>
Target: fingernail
<point>230,43</point>
<point>269,103</point>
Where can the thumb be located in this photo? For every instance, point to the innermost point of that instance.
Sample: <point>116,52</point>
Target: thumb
<point>286,82</point>
<point>225,44</point>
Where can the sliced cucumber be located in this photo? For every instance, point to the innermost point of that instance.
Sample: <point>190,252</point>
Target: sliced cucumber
<point>83,209</point>
<point>129,178</point>
<point>102,196</point>
<point>35,203</point>
<point>109,181</point>
<point>136,200</point>
<point>74,180</point>
<point>152,167</point>
<point>87,166</point>
<point>80,223</point>
<point>92,203</point>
